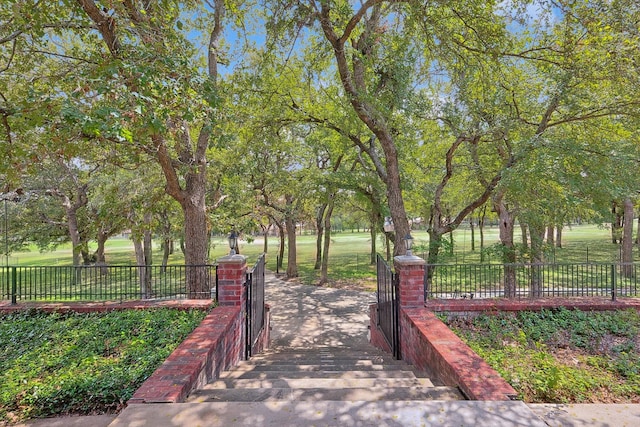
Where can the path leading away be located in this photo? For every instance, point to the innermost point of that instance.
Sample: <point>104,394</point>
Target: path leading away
<point>310,316</point>
<point>323,330</point>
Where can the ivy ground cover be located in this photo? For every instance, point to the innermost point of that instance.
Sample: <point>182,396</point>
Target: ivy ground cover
<point>560,356</point>
<point>70,363</point>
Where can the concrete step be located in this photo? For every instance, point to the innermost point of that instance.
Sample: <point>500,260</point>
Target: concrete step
<point>354,362</point>
<point>326,394</point>
<point>331,413</point>
<point>325,351</point>
<point>273,375</point>
<point>318,383</point>
<point>245,367</point>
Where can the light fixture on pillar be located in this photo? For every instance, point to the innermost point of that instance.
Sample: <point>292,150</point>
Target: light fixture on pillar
<point>233,242</point>
<point>408,243</point>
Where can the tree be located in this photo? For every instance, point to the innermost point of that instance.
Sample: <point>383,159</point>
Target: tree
<point>137,89</point>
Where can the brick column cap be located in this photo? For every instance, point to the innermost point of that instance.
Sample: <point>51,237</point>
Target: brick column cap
<point>232,259</point>
<point>409,260</point>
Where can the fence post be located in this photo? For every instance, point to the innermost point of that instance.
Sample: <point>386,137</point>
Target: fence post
<point>613,282</point>
<point>14,285</point>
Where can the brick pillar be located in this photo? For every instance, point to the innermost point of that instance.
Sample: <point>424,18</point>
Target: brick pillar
<point>232,271</point>
<point>410,270</point>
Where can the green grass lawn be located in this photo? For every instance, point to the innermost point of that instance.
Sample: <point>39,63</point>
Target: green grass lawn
<point>350,252</point>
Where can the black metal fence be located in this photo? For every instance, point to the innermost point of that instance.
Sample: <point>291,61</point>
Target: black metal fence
<point>532,280</point>
<point>388,305</point>
<point>255,305</point>
<point>105,283</point>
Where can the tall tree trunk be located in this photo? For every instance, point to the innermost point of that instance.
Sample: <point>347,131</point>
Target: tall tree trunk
<point>101,240</point>
<point>196,242</point>
<point>166,252</point>
<point>292,262</point>
<point>148,253</point>
<point>148,248</point>
<point>327,239</point>
<point>71,208</point>
<point>143,270</point>
<point>537,259</point>
<point>377,222</point>
<point>525,235</point>
<point>265,235</point>
<point>432,257</point>
<point>167,241</point>
<point>76,246</point>
<point>290,223</point>
<point>472,226</point>
<point>281,246</point>
<point>506,225</point>
<point>481,220</point>
<point>559,236</point>
<point>142,245</point>
<point>435,244</point>
<point>374,236</point>
<point>616,224</point>
<point>351,70</point>
<point>101,259</point>
<point>627,239</point>
<point>396,203</point>
<point>551,235</point>
<point>320,233</point>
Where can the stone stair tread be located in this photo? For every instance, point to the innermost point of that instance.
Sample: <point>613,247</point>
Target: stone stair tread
<point>320,367</point>
<point>369,349</point>
<point>332,413</point>
<point>272,375</point>
<point>318,383</point>
<point>323,361</point>
<point>327,394</point>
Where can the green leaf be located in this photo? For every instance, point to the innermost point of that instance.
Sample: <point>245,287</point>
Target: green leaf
<point>126,134</point>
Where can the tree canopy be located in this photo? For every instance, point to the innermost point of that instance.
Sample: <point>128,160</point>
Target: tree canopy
<point>207,115</point>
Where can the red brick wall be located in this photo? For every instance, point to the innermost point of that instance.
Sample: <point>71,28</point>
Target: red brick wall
<point>214,346</point>
<point>429,344</point>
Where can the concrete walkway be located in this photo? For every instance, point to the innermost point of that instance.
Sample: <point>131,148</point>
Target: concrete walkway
<point>306,317</point>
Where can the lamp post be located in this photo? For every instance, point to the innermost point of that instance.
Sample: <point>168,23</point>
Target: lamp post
<point>408,243</point>
<point>233,243</point>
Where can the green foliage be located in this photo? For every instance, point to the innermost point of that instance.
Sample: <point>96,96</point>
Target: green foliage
<point>560,355</point>
<point>65,363</point>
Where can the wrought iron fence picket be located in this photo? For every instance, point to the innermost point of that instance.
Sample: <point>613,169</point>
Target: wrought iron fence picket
<point>446,281</point>
<point>387,293</point>
<point>255,305</point>
<point>95,282</point>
